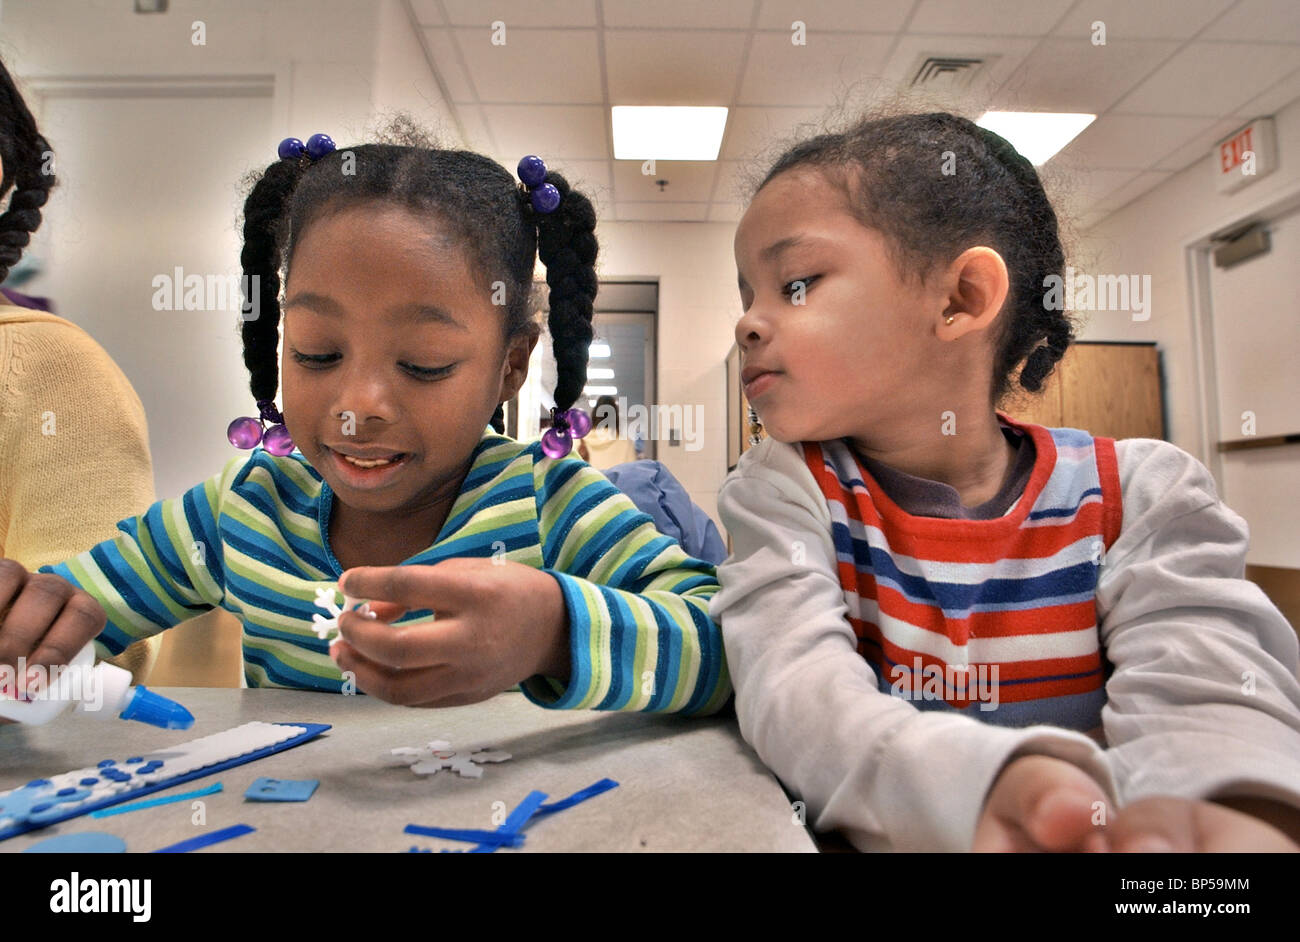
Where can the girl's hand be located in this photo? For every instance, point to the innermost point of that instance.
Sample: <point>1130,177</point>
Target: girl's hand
<point>43,617</point>
<point>1039,803</point>
<point>1189,825</point>
<point>498,622</point>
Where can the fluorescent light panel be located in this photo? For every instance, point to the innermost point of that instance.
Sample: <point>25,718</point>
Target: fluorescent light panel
<point>667,133</point>
<point>600,391</point>
<point>599,372</point>
<point>597,350</point>
<point>1038,135</point>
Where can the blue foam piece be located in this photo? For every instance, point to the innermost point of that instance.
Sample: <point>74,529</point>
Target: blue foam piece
<point>85,842</point>
<point>155,802</point>
<point>10,805</point>
<point>281,789</point>
<point>205,840</point>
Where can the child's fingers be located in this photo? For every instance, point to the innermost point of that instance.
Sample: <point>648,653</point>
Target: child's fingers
<point>1062,819</point>
<point>402,687</point>
<point>36,609</point>
<point>440,587</point>
<point>407,647</point>
<point>81,619</point>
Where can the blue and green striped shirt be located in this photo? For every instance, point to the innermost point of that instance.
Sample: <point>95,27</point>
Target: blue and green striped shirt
<point>253,540</point>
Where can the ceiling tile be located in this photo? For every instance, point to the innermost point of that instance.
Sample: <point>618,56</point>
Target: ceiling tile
<point>672,67</point>
<point>688,181</point>
<point>881,16</point>
<point>1130,191</point>
<point>736,180</point>
<point>427,13</point>
<point>1200,145</point>
<point>1210,79</point>
<point>553,132</point>
<point>662,212</point>
<point>1077,191</point>
<point>1130,141</point>
<point>751,131</point>
<point>988,17</point>
<point>1151,19</point>
<point>534,65</point>
<point>725,212</point>
<point>1274,100</point>
<point>447,61</point>
<point>679,14</point>
<point>1003,56</point>
<point>1262,20</point>
<point>1074,75</point>
<point>779,73</point>
<point>552,13</point>
<point>591,177</point>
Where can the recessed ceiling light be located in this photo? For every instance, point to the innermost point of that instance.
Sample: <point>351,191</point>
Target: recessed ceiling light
<point>597,350</point>
<point>1038,135</point>
<point>667,133</point>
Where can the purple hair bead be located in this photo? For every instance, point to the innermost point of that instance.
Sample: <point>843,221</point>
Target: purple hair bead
<point>545,198</point>
<point>245,432</point>
<point>532,171</point>
<point>277,441</point>
<point>579,422</point>
<point>556,443</point>
<point>291,148</point>
<point>318,145</point>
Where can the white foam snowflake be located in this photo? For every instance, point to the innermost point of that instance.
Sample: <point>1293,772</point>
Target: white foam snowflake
<point>325,627</point>
<point>438,755</point>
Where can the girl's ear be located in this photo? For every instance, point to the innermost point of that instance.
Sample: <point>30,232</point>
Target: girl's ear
<point>978,285</point>
<point>514,370</point>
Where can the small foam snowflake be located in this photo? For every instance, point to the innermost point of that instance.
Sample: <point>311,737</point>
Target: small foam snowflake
<point>438,755</point>
<point>325,627</point>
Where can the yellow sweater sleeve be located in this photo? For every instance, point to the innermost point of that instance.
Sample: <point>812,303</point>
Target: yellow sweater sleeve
<point>75,456</point>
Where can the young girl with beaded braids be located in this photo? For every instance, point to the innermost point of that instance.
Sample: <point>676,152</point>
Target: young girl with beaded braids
<point>406,323</point>
<point>948,629</point>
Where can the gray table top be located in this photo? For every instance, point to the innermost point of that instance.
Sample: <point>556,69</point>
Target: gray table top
<point>685,784</point>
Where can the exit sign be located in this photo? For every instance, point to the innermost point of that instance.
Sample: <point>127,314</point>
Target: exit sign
<point>1245,156</point>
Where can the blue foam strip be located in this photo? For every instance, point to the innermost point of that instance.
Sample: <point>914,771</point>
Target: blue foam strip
<point>516,821</point>
<point>312,730</point>
<point>577,798</point>
<point>500,838</point>
<point>205,840</point>
<point>155,802</point>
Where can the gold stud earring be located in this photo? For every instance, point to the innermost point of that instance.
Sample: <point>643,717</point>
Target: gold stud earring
<point>949,319</point>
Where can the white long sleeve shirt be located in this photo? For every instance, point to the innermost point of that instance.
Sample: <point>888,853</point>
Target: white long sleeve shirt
<point>1203,701</point>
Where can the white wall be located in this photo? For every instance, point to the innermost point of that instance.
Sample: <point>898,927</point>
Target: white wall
<point>698,309</point>
<point>337,66</point>
<point>1149,236</point>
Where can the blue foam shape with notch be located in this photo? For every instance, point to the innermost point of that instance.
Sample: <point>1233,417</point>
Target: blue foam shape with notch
<point>281,789</point>
<point>48,817</point>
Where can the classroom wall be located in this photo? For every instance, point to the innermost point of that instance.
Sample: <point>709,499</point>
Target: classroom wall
<point>338,66</point>
<point>698,309</point>
<point>1148,237</point>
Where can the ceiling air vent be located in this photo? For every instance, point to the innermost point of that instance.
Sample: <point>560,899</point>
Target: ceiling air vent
<point>946,72</point>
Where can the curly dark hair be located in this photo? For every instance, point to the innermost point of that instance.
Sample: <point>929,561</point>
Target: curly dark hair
<point>469,195</point>
<point>890,168</point>
<point>23,152</point>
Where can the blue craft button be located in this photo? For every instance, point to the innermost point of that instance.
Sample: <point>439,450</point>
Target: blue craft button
<point>106,763</point>
<point>66,791</point>
<point>134,759</point>
<point>42,806</point>
<point>90,781</point>
<point>38,782</point>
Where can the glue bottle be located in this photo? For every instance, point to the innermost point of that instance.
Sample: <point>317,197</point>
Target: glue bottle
<point>101,690</point>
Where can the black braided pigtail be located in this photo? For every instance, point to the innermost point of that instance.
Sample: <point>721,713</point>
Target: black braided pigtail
<point>566,244</point>
<point>1040,335</point>
<point>260,259</point>
<point>24,153</point>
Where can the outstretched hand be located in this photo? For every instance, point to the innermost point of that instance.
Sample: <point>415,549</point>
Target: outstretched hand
<point>497,623</point>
